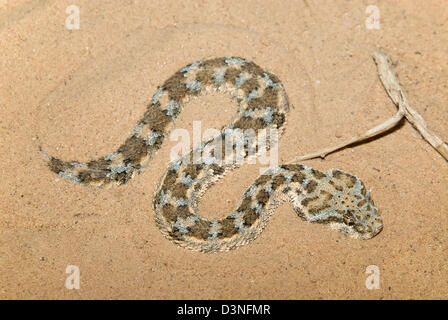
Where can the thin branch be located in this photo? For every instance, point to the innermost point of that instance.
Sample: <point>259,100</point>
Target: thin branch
<point>390,82</point>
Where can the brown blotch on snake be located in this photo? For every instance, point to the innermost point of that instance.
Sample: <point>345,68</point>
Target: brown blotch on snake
<point>250,217</point>
<point>101,165</point>
<point>206,77</point>
<point>156,118</point>
<point>200,230</point>
<point>212,64</point>
<point>250,85</point>
<point>231,74</point>
<point>169,212</point>
<point>134,149</point>
<point>253,68</point>
<point>262,197</point>
<point>176,87</point>
<point>228,228</point>
<point>57,165</point>
<point>250,123</point>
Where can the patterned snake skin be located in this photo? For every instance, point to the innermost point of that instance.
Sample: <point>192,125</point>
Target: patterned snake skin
<point>334,198</point>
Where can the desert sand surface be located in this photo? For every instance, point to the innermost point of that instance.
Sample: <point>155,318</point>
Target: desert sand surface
<point>78,93</point>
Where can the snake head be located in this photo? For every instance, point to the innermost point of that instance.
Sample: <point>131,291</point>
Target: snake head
<point>356,214</point>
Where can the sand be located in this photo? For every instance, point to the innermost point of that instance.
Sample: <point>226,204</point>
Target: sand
<point>79,93</point>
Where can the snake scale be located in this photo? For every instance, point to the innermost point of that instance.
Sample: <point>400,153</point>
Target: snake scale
<point>334,198</point>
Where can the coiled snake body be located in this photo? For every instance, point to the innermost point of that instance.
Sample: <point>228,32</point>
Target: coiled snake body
<point>335,198</point>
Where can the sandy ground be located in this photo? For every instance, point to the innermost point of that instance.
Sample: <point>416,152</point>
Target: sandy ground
<point>79,93</point>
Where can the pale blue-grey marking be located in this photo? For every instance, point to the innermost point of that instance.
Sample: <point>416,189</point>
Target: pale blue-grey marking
<point>157,95</point>
<point>213,233</point>
<point>171,107</point>
<point>324,215</point>
<point>186,180</point>
<point>69,176</point>
<point>111,156</point>
<point>164,198</point>
<point>219,77</point>
<point>192,219</point>
<point>192,66</point>
<point>119,169</point>
<point>288,177</point>
<point>137,130</point>
<point>251,191</point>
<point>179,225</point>
<point>268,115</point>
<point>194,85</point>
<point>236,214</point>
<point>257,207</point>
<point>267,80</point>
<point>250,113</point>
<point>234,61</point>
<point>268,188</point>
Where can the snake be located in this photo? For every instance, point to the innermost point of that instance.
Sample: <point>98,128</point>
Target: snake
<point>333,198</point>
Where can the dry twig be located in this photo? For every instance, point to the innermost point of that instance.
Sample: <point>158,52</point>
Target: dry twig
<point>390,82</point>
